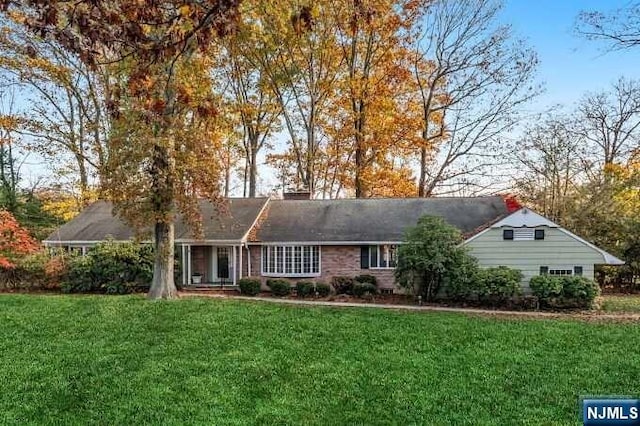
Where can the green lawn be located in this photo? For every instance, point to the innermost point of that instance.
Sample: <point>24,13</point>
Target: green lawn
<point>124,360</point>
<point>628,303</point>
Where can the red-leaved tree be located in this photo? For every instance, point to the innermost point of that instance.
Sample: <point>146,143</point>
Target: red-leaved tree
<point>15,241</point>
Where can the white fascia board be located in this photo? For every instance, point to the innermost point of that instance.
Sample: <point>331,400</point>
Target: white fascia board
<point>321,243</point>
<point>78,242</point>
<point>473,237</point>
<point>206,242</point>
<point>264,206</point>
<point>608,258</point>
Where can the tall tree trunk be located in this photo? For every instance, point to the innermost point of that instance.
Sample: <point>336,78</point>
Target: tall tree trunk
<point>422,185</point>
<point>84,180</point>
<point>163,284</point>
<point>359,184</point>
<point>253,171</point>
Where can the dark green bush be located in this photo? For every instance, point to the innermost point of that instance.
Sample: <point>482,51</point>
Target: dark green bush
<point>367,278</point>
<point>361,289</point>
<point>580,289</point>
<point>249,286</point>
<point>545,286</point>
<point>112,268</point>
<point>279,287</point>
<point>342,285</point>
<point>564,292</point>
<point>323,289</point>
<point>431,257</point>
<point>496,285</point>
<point>304,288</point>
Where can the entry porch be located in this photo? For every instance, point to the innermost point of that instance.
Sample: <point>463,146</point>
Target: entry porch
<point>211,266</point>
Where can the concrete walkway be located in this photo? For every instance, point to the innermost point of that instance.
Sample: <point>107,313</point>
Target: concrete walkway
<point>429,308</point>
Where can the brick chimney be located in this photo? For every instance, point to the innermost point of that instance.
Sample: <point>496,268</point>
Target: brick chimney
<point>297,195</point>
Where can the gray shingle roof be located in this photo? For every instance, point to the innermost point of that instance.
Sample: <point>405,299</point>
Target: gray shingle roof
<point>96,223</point>
<point>371,220</point>
<point>345,220</point>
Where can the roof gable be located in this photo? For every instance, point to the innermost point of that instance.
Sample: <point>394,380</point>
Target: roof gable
<point>526,217</point>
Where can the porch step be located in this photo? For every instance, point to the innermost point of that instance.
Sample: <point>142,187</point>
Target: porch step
<point>205,287</point>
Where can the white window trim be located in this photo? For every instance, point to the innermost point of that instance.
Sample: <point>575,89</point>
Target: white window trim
<point>290,274</point>
<point>381,268</point>
<point>561,268</point>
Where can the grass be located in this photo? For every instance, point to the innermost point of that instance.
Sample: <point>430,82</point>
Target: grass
<point>124,360</point>
<point>627,303</point>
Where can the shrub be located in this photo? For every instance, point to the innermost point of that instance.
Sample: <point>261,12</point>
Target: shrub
<point>431,257</point>
<point>343,285</point>
<point>279,287</point>
<point>249,286</point>
<point>496,285</point>
<point>545,286</point>
<point>564,292</point>
<point>42,270</point>
<point>580,289</point>
<point>367,278</point>
<point>80,278</point>
<point>304,288</point>
<point>112,268</point>
<point>361,289</point>
<point>323,289</point>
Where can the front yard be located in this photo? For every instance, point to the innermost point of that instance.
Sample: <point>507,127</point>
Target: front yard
<point>124,360</point>
<point>625,303</point>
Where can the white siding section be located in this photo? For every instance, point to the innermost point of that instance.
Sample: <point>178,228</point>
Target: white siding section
<point>557,251</point>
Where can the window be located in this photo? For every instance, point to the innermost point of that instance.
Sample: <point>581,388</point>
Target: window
<point>577,270</point>
<point>539,234</point>
<point>507,234</point>
<point>285,261</point>
<point>560,272</point>
<point>383,256</point>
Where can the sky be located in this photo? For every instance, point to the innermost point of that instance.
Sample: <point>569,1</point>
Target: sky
<point>570,65</point>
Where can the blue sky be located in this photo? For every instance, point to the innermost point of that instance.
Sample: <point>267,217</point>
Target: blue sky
<point>569,65</point>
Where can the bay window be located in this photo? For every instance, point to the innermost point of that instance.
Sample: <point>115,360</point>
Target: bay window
<point>291,261</point>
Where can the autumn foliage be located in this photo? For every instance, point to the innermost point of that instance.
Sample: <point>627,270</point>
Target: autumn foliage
<point>15,241</point>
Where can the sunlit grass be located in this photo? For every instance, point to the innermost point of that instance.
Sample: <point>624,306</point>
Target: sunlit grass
<point>125,360</point>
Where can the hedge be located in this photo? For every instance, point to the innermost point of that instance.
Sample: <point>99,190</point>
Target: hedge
<point>249,286</point>
<point>564,292</point>
<point>279,287</point>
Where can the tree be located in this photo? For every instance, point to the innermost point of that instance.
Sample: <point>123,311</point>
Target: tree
<point>65,120</point>
<point>15,241</point>
<point>610,123</point>
<point>431,256</point>
<point>619,28</point>
<point>298,54</point>
<point>473,79</point>
<point>249,96</point>
<point>551,158</point>
<point>149,41</point>
<point>375,94</point>
<point>9,165</point>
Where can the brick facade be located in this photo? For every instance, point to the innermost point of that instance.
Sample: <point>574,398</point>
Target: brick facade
<point>334,261</point>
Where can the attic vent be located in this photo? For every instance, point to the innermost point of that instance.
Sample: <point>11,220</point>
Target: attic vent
<point>523,234</point>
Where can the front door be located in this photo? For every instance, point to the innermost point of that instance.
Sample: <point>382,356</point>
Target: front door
<point>223,263</point>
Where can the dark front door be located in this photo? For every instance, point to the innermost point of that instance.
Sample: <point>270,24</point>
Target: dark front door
<point>223,263</point>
